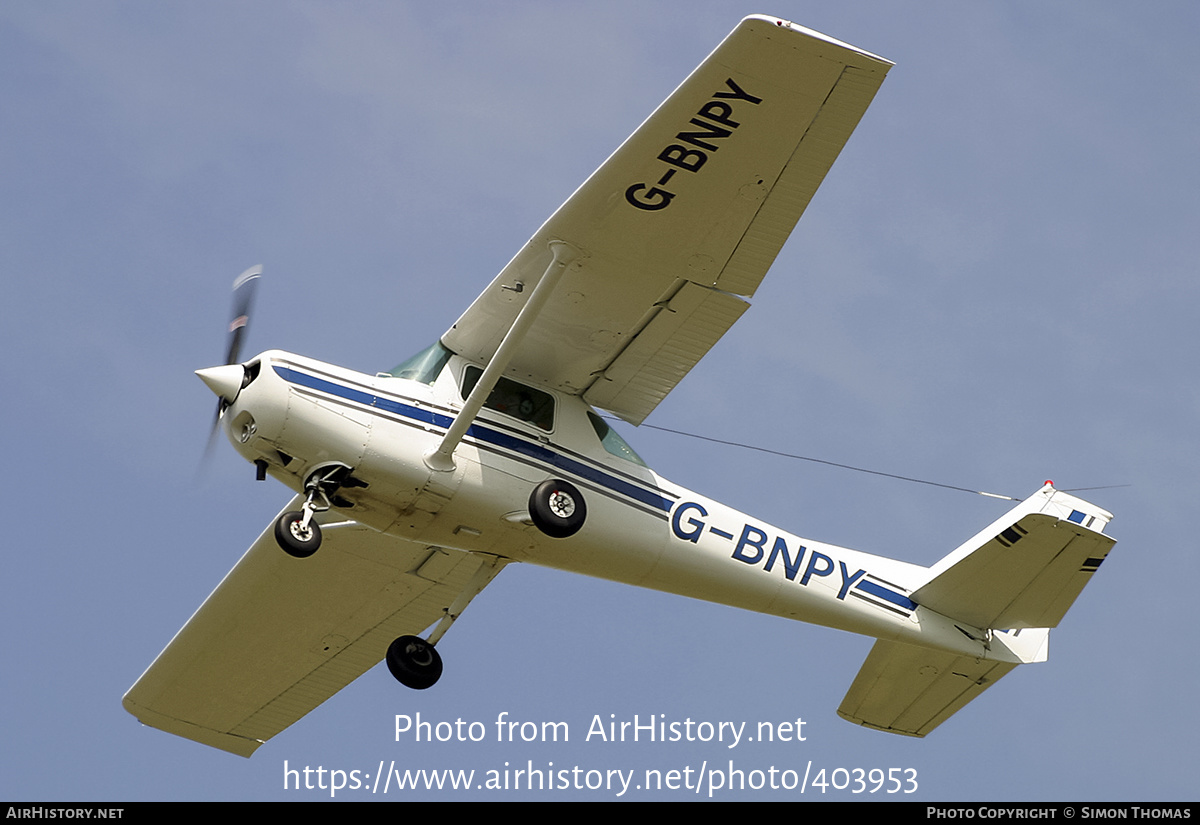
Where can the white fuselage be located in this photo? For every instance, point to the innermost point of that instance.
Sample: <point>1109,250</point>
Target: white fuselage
<point>641,529</point>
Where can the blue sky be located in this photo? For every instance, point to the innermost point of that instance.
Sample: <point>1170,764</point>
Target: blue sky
<point>995,286</point>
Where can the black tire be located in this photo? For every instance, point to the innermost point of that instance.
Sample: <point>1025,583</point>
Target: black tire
<point>557,508</point>
<point>414,662</point>
<point>294,542</point>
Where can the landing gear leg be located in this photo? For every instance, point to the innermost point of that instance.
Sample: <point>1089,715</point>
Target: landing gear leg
<point>298,532</point>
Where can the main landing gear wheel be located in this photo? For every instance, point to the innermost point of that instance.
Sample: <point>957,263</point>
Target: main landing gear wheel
<point>300,542</point>
<point>414,662</point>
<point>557,509</point>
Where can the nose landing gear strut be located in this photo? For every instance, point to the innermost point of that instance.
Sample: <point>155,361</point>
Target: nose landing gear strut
<point>297,532</point>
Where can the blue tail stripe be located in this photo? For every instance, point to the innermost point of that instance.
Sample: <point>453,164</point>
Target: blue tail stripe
<point>887,595</point>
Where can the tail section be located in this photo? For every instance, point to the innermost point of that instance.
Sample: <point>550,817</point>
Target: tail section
<point>1026,568</point>
<point>1015,579</point>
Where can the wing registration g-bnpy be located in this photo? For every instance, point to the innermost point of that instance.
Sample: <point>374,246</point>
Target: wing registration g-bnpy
<point>416,487</point>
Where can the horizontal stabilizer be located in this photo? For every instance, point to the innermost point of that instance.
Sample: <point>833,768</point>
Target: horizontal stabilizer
<point>1023,570</point>
<point>911,690</point>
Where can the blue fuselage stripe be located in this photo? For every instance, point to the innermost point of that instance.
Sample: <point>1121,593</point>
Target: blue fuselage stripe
<point>479,433</point>
<point>887,595</point>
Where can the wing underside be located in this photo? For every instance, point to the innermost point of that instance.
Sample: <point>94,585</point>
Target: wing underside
<point>281,635</point>
<point>682,222</point>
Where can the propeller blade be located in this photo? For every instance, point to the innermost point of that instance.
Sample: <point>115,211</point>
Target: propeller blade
<point>206,459</point>
<point>244,289</point>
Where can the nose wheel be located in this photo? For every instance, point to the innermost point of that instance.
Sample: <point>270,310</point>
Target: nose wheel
<point>414,662</point>
<point>297,532</point>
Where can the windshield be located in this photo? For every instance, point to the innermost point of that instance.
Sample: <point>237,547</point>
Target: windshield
<point>425,366</point>
<point>612,440</point>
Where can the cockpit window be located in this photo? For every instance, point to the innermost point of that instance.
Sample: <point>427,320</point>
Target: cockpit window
<point>425,366</point>
<point>612,440</point>
<point>517,400</point>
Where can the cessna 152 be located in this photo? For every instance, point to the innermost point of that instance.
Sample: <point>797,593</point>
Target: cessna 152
<point>419,485</point>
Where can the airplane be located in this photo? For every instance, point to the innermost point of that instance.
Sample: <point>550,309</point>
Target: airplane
<point>416,487</point>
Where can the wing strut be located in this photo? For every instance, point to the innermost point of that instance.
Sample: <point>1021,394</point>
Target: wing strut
<point>482,578</point>
<point>442,457</point>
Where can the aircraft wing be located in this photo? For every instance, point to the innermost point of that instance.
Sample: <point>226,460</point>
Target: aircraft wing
<point>281,635</point>
<point>681,222</point>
